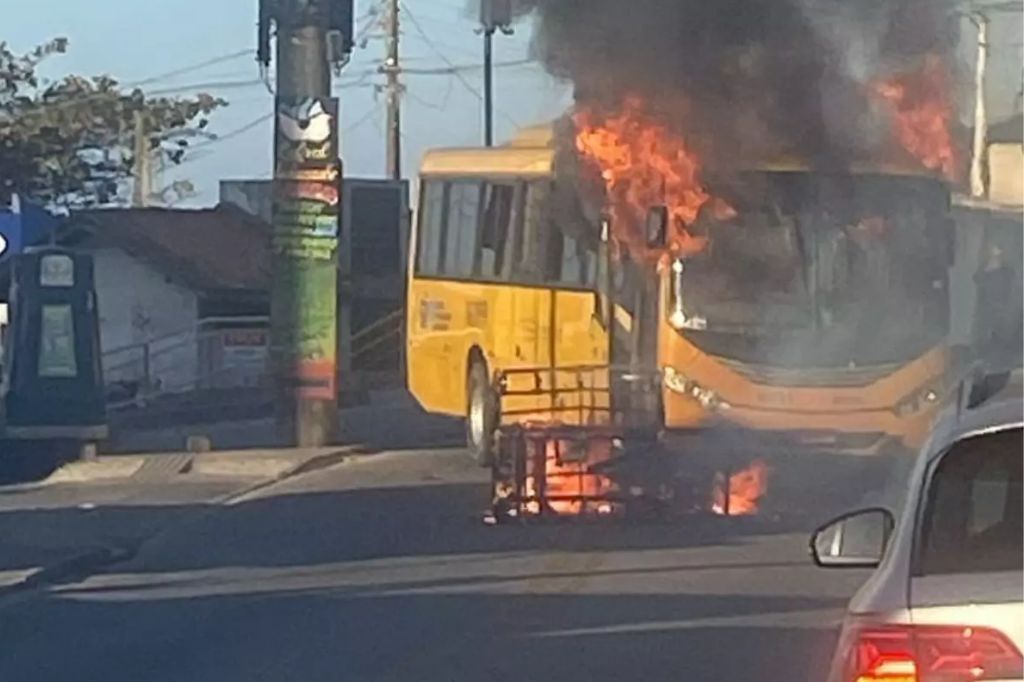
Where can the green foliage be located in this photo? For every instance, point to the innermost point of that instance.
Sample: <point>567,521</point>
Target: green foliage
<point>70,142</point>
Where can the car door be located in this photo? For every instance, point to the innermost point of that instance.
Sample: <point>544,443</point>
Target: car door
<point>967,569</point>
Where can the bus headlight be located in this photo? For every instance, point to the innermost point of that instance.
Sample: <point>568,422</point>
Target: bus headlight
<point>916,401</point>
<point>679,383</point>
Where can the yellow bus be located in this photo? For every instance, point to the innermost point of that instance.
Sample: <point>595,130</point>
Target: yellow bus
<point>495,284</point>
<point>818,316</point>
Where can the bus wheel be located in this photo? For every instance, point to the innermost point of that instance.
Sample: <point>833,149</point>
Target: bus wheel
<point>481,417</point>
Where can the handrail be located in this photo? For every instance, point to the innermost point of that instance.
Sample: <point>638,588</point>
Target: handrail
<point>194,329</point>
<point>395,316</point>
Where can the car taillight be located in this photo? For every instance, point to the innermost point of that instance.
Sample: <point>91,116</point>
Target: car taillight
<point>931,654</point>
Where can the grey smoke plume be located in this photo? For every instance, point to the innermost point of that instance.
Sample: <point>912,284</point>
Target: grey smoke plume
<point>755,74</point>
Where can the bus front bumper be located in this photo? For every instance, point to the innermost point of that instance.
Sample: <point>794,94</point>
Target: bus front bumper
<point>861,432</point>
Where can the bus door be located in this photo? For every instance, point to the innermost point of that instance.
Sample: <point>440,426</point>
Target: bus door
<point>533,327</point>
<point>429,307</point>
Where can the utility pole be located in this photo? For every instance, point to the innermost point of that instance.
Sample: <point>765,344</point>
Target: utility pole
<point>141,166</point>
<point>392,69</point>
<point>312,35</point>
<point>979,151</point>
<point>495,15</point>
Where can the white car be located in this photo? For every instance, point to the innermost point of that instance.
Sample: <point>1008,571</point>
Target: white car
<point>946,603</point>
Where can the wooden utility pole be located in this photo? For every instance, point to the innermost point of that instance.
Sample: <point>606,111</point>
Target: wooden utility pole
<point>392,69</point>
<point>141,163</point>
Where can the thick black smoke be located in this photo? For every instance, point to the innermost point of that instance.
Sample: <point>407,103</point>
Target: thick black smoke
<point>756,75</point>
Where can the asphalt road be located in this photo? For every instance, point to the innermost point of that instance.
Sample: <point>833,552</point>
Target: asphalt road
<point>381,570</point>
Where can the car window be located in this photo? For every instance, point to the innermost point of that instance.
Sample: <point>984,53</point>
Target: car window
<point>973,517</point>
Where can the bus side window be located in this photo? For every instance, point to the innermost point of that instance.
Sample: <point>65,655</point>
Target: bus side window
<point>577,264</point>
<point>463,213</point>
<point>511,269</point>
<point>431,227</point>
<point>532,261</point>
<point>495,230</point>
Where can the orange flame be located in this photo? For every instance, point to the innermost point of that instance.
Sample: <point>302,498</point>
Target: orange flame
<point>923,114</point>
<point>644,164</point>
<point>746,488</point>
<point>567,475</point>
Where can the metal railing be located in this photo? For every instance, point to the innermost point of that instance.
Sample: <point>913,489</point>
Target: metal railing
<point>580,395</point>
<point>187,360</point>
<point>372,344</point>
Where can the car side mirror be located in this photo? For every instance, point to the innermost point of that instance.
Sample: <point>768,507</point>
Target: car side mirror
<point>984,386</point>
<point>856,540</point>
<point>656,229</point>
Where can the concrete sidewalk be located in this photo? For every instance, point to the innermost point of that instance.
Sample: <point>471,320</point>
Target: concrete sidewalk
<point>92,513</point>
<point>391,421</point>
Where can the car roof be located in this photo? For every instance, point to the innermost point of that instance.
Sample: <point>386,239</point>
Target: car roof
<point>993,417</point>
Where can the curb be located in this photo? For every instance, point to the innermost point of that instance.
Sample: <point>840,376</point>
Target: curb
<point>78,566</point>
<point>316,463</point>
<point>91,561</point>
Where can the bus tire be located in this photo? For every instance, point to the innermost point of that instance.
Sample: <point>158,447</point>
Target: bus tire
<point>481,414</point>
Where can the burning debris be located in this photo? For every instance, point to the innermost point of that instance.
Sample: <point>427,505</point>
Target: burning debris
<point>742,495</point>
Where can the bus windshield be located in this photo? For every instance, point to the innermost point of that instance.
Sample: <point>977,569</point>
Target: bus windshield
<point>821,271</point>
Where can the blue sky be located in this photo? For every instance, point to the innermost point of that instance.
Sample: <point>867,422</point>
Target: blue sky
<point>136,40</point>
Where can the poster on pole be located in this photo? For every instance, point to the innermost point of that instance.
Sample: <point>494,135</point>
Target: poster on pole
<point>307,207</point>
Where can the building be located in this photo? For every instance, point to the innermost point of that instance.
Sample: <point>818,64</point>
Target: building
<point>372,258</point>
<point>1006,162</point>
<point>23,224</point>
<point>990,236</point>
<point>182,294</point>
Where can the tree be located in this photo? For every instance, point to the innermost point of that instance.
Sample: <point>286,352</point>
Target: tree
<point>70,142</point>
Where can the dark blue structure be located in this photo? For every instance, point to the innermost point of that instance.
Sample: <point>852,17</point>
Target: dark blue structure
<point>24,224</point>
<point>52,387</point>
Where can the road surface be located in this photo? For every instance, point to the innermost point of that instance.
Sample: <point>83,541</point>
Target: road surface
<point>380,570</point>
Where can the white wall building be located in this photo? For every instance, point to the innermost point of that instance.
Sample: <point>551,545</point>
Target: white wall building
<point>182,295</point>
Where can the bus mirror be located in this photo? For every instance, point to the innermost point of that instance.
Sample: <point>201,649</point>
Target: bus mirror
<point>656,231</point>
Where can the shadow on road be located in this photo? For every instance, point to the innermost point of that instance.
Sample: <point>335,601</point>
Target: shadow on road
<point>264,590</point>
<point>420,638</point>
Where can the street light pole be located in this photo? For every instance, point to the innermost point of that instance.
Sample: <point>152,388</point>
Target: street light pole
<point>489,86</point>
<point>495,15</point>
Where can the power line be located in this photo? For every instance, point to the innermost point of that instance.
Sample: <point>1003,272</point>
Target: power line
<point>190,69</point>
<point>78,101</point>
<point>430,43</point>
<point>362,119</point>
<point>454,69</point>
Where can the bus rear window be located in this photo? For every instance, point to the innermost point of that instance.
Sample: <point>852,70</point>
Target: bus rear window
<point>973,520</point>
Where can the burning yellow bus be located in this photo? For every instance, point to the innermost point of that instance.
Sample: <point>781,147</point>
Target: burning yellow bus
<point>805,308</point>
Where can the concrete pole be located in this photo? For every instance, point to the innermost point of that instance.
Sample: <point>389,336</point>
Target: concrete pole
<point>304,293</point>
<point>979,152</point>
